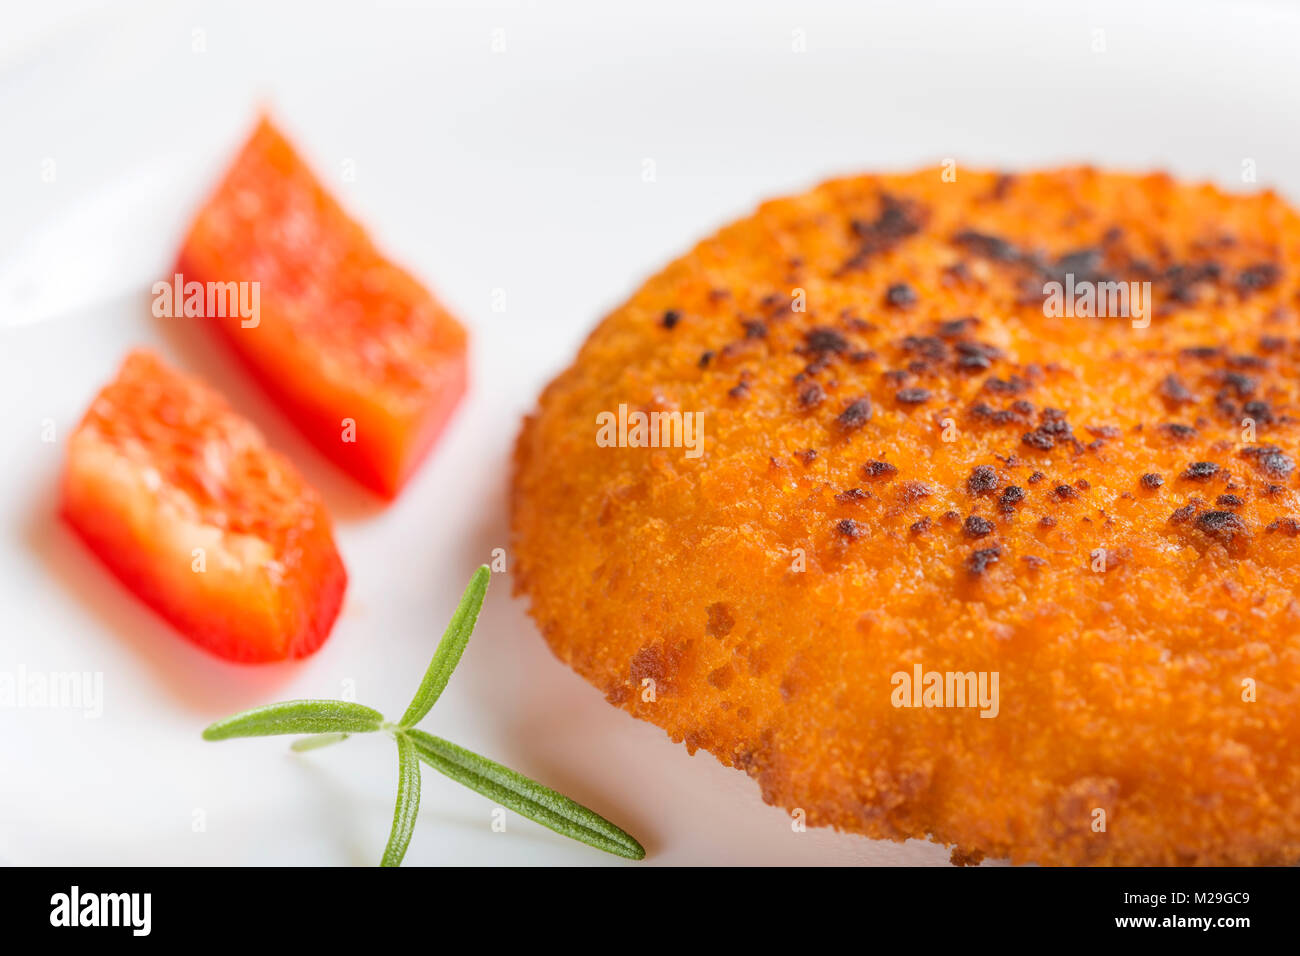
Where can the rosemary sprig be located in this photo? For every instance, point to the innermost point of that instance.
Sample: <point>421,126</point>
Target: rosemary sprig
<point>332,721</point>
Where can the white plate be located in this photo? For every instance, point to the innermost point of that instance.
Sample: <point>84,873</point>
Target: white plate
<point>483,169</point>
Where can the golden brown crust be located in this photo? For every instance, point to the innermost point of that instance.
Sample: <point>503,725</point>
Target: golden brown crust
<point>829,536</point>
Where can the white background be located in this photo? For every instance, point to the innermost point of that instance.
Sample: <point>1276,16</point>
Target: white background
<point>521,171</point>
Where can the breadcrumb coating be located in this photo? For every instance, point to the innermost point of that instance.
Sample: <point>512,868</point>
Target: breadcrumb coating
<point>910,457</point>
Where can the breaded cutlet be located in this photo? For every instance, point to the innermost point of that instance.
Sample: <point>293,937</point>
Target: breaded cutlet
<point>921,455</point>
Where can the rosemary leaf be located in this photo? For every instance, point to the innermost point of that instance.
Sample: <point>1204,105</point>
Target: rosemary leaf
<point>297,717</point>
<point>525,796</point>
<point>450,648</point>
<point>408,802</point>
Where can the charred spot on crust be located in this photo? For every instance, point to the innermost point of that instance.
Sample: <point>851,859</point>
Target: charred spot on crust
<point>670,318</point>
<point>1200,471</point>
<point>983,479</point>
<point>856,414</point>
<point>810,396</point>
<point>848,528</point>
<point>900,295</point>
<point>706,358</point>
<point>755,329</point>
<point>1224,527</point>
<point>1011,497</point>
<point>853,494</point>
<point>1083,264</point>
<point>956,274</point>
<point>1287,526</point>
<point>979,560</point>
<point>912,396</point>
<point>1229,501</point>
<point>1182,279</point>
<point>977,527</point>
<point>1052,428</point>
<point>1152,481</point>
<point>976,356</point>
<point>897,220</point>
<point>1238,383</point>
<point>822,340</point>
<point>729,352</point>
<point>1174,392</point>
<point>1036,439</point>
<point>930,348</point>
<point>1064,493</point>
<point>1247,361</point>
<point>1259,411</point>
<point>1020,412</point>
<point>807,456</point>
<point>922,526</point>
<point>1022,409</point>
<point>1269,459</point>
<point>1176,431</point>
<point>986,246</point>
<point>776,307</point>
<point>1015,385</point>
<point>1257,277</point>
<point>955,328</point>
<point>878,470</point>
<point>911,492</point>
<point>1002,185</point>
<point>815,367</point>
